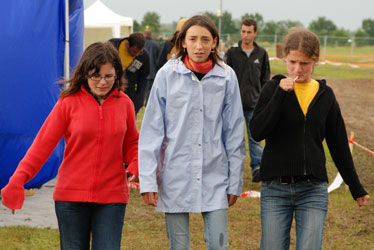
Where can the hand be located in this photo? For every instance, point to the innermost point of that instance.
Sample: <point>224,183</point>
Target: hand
<point>363,201</point>
<point>150,198</point>
<point>133,178</point>
<point>13,196</point>
<point>287,84</point>
<point>231,199</point>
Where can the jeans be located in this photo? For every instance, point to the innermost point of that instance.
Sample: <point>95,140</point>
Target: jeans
<point>307,200</point>
<point>255,148</point>
<point>215,230</point>
<point>78,220</point>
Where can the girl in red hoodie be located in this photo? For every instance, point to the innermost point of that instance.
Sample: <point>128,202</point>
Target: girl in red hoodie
<point>97,122</point>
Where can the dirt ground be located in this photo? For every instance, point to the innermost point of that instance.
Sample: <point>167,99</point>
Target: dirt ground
<point>356,99</point>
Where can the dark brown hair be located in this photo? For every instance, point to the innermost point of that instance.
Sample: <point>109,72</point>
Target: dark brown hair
<point>303,40</point>
<point>94,56</point>
<point>249,22</point>
<point>136,39</point>
<point>203,21</point>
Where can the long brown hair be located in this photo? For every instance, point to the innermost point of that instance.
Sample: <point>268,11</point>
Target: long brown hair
<point>95,55</point>
<point>203,21</point>
<point>303,40</point>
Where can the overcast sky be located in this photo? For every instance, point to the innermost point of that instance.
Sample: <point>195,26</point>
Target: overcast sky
<point>345,14</point>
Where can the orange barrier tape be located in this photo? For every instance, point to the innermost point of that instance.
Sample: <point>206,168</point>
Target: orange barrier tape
<point>346,56</point>
<point>347,63</point>
<point>351,140</point>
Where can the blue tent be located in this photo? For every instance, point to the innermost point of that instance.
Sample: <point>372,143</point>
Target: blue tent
<point>32,47</point>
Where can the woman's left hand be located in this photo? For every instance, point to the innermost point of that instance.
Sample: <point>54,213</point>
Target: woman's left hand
<point>133,178</point>
<point>363,201</point>
<point>231,199</point>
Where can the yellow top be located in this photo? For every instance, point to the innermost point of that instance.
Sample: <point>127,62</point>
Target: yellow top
<point>126,58</point>
<point>305,92</point>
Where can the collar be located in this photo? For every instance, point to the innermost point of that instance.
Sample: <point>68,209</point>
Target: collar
<point>219,69</point>
<point>255,45</point>
<point>86,90</point>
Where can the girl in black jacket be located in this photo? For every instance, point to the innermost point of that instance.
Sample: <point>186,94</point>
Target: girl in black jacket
<point>294,114</point>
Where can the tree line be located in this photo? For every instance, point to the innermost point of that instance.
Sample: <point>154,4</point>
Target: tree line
<point>229,26</point>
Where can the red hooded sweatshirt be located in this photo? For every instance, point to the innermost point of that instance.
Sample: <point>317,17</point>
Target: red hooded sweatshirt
<point>99,139</point>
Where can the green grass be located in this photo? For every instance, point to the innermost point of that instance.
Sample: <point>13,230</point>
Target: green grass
<point>347,227</point>
<point>346,50</point>
<point>345,54</point>
<point>22,237</point>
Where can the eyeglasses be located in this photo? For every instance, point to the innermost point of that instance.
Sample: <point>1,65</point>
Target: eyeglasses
<point>107,78</point>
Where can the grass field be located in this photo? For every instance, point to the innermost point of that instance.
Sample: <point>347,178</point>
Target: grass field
<point>344,54</point>
<point>331,71</point>
<point>347,227</point>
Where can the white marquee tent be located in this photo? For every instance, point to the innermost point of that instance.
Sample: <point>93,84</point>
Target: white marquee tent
<point>101,23</point>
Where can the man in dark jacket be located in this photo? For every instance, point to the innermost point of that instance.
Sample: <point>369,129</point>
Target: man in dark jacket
<point>251,65</point>
<point>153,49</point>
<point>135,63</point>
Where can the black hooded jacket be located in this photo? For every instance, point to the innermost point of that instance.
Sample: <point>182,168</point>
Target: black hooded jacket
<point>294,141</point>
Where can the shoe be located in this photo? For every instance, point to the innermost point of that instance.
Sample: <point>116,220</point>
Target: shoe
<point>256,175</point>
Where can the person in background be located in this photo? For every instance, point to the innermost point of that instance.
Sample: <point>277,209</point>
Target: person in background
<point>97,122</point>
<point>295,114</point>
<point>169,49</point>
<point>251,65</point>
<point>228,43</point>
<point>136,64</point>
<point>191,144</point>
<point>153,50</point>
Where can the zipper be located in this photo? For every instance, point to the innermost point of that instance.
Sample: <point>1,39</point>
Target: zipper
<point>101,112</point>
<point>99,141</point>
<point>304,145</point>
<point>321,90</point>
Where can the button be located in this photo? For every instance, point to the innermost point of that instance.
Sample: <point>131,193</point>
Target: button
<point>201,110</point>
<point>198,178</point>
<point>199,145</point>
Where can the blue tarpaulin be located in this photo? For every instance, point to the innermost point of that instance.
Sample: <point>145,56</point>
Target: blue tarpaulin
<point>32,47</point>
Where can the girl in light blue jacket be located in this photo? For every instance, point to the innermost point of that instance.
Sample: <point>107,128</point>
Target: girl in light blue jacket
<point>192,146</point>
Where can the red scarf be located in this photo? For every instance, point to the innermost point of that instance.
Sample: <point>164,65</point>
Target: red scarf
<point>202,68</point>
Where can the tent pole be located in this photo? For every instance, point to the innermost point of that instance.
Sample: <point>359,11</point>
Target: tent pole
<point>67,47</point>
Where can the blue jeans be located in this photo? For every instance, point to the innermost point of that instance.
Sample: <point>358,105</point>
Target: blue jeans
<point>78,220</point>
<point>215,230</point>
<point>255,147</point>
<point>307,200</point>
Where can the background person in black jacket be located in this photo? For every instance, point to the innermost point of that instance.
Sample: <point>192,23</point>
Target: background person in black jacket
<point>135,63</point>
<point>295,114</point>
<point>153,50</point>
<point>251,65</point>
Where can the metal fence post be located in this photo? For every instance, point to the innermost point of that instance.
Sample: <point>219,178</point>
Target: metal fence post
<point>352,46</point>
<point>324,45</point>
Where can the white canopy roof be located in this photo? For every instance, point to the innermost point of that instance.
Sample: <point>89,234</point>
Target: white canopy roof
<point>98,15</point>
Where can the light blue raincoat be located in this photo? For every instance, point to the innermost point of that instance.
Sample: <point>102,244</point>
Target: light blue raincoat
<point>192,145</point>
